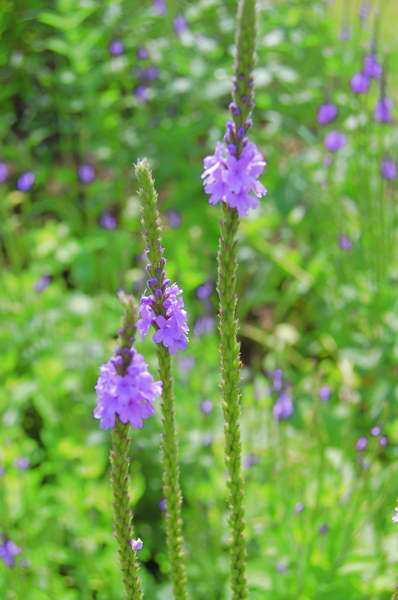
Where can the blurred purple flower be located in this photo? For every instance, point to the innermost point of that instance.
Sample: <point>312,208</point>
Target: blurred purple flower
<point>22,463</point>
<point>141,93</point>
<point>203,325</point>
<point>3,172</point>
<point>86,173</point>
<point>206,407</point>
<point>281,566</point>
<point>25,181</point>
<point>383,441</point>
<point>364,10</point>
<point>375,431</point>
<point>388,169</point>
<point>334,141</point>
<point>2,470</point>
<point>325,393</point>
<point>205,290</point>
<point>162,504</point>
<point>186,364</point>
<point>277,379</point>
<point>42,283</point>
<point>137,544</point>
<point>180,25</point>
<point>299,508</point>
<point>360,83</point>
<point>362,444</point>
<point>371,67</point>
<point>150,73</point>
<point>383,110</point>
<point>159,7</point>
<point>174,219</point>
<point>116,47</point>
<point>142,53</point>
<point>345,33</point>
<point>324,529</point>
<point>283,407</point>
<point>108,221</point>
<point>8,552</point>
<point>250,460</point>
<point>345,242</point>
<point>327,113</point>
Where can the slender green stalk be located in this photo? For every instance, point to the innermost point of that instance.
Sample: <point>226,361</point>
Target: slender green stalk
<point>170,464</point>
<point>120,467</point>
<point>243,97</point>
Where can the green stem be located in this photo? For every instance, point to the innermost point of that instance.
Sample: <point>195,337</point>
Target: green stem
<point>171,478</point>
<point>230,379</point>
<point>123,526</point>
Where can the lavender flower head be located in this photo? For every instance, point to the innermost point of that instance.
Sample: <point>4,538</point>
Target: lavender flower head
<point>283,407</point>
<point>42,283</point>
<point>3,172</point>
<point>327,113</point>
<point>180,25</point>
<point>171,326</point>
<point>325,393</point>
<point>129,396</point>
<point>234,180</point>
<point>204,325</point>
<point>142,53</point>
<point>345,242</point>
<point>382,113</point>
<point>8,552</point>
<point>388,169</point>
<point>334,141</point>
<point>86,173</point>
<point>22,463</point>
<point>159,7</point>
<point>362,444</point>
<point>25,181</point>
<point>205,290</point>
<point>137,544</point>
<point>206,407</point>
<point>371,67</point>
<point>108,221</point>
<point>116,47</point>
<point>360,83</point>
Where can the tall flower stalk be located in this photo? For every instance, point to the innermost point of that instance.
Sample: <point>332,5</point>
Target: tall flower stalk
<point>231,177</point>
<point>163,309</point>
<point>125,393</point>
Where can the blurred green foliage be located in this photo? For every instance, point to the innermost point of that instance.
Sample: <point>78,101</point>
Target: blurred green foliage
<point>324,316</point>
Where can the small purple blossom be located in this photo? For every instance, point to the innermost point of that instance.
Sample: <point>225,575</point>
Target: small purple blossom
<point>3,172</point>
<point>345,242</point>
<point>42,283</point>
<point>324,529</point>
<point>250,460</point>
<point>162,504</point>
<point>180,25</point>
<point>174,219</point>
<point>116,47</point>
<point>345,33</point>
<point>383,441</point>
<point>375,431</point>
<point>383,110</point>
<point>108,221</point>
<point>360,83</point>
<point>325,393</point>
<point>171,327</point>
<point>371,67</point>
<point>362,444</point>
<point>129,396</point>
<point>205,290</point>
<point>283,407</point>
<point>25,181</point>
<point>233,180</point>
<point>86,173</point>
<point>8,552</point>
<point>277,379</point>
<point>22,463</point>
<point>142,53</point>
<point>204,325</point>
<point>206,407</point>
<point>334,141</point>
<point>388,169</point>
<point>2,470</point>
<point>364,10</point>
<point>150,73</point>
<point>137,544</point>
<point>141,93</point>
<point>299,508</point>
<point>327,113</point>
<point>159,7</point>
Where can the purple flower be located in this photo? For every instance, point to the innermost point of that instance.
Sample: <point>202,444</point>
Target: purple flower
<point>277,379</point>
<point>362,443</point>
<point>22,463</point>
<point>142,53</point>
<point>324,529</point>
<point>388,169</point>
<point>383,441</point>
<point>371,68</point>
<point>233,180</point>
<point>25,181</point>
<point>360,83</point>
<point>162,504</point>
<point>141,93</point>
<point>345,33</point>
<point>250,460</point>
<point>159,7</point>
<point>180,25</point>
<point>108,221</point>
<point>174,219</point>
<point>150,73</point>
<point>375,431</point>
<point>206,407</point>
<point>364,10</point>
<point>324,393</point>
<point>299,508</point>
<point>345,242</point>
<point>2,470</point>
<point>382,112</point>
<point>137,544</point>
<point>42,283</point>
<point>3,172</point>
<point>283,407</point>
<point>129,396</point>
<point>327,113</point>
<point>171,326</point>
<point>86,173</point>
<point>204,291</point>
<point>334,141</point>
<point>203,325</point>
<point>116,47</point>
<point>8,552</point>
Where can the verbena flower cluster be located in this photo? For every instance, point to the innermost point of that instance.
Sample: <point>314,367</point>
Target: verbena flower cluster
<point>8,552</point>
<point>234,179</point>
<point>129,396</point>
<point>170,322</point>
